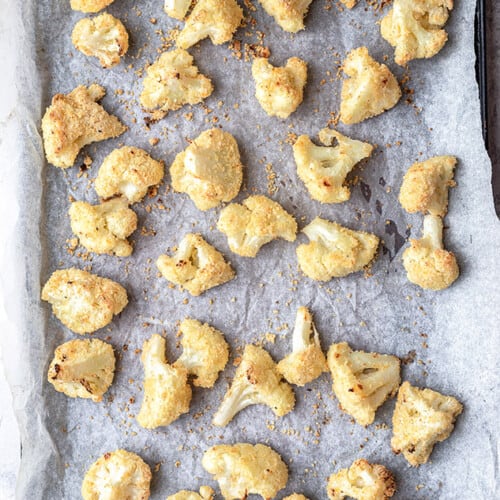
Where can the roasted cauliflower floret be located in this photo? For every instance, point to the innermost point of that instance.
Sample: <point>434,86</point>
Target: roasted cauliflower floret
<point>256,222</point>
<point>205,352</point>
<point>173,81</point>
<point>307,361</point>
<point>196,266</point>
<point>363,481</point>
<point>324,169</point>
<point>104,228</point>
<point>334,250</point>
<point>167,394</point>
<point>295,496</point>
<point>103,37</point>
<point>362,381</point>
<point>128,171</point>
<point>74,120</point>
<point>209,170</point>
<point>279,90</point>
<point>256,381</point>
<point>370,89</point>
<point>425,186</point>
<point>349,3</point>
<point>90,6</point>
<point>289,14</point>
<point>426,261</point>
<point>216,19</point>
<point>206,493</point>
<point>82,301</point>
<point>243,469</point>
<point>414,28</point>
<point>117,475</point>
<point>177,8</point>
<point>82,369</point>
<point>421,419</point>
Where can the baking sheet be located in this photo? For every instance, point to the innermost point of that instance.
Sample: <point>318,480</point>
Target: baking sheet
<point>454,333</point>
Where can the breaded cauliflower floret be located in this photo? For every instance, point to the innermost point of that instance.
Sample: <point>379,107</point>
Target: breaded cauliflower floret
<point>128,171</point>
<point>349,3</point>
<point>117,475</point>
<point>209,170</point>
<point>244,469</point>
<point>324,169</point>
<point>414,28</point>
<point>103,37</point>
<point>82,369</point>
<point>334,250</point>
<point>206,493</point>
<point>196,266</point>
<point>82,301</point>
<point>256,222</point>
<point>216,19</point>
<point>205,352</point>
<point>167,394</point>
<point>370,89</point>
<point>279,90</point>
<point>362,381</point>
<point>307,361</point>
<point>295,496</point>
<point>256,381</point>
<point>426,261</point>
<point>177,8</point>
<point>104,228</point>
<point>90,6</point>
<point>422,418</point>
<point>425,186</point>
<point>289,14</point>
<point>362,481</point>
<point>74,120</point>
<point>173,81</point>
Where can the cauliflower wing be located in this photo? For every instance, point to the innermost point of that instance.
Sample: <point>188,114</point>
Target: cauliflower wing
<point>256,222</point>
<point>334,250</point>
<point>421,419</point>
<point>82,369</point>
<point>209,170</point>
<point>74,120</point>
<point>82,301</point>
<point>196,266</point>
<point>370,89</point>
<point>244,469</point>
<point>167,394</point>
<point>177,8</point>
<point>289,14</point>
<point>103,37</point>
<point>324,169</point>
<point>279,90</point>
<point>90,6</point>
<point>117,475</point>
<point>362,381</point>
<point>349,3</point>
<point>206,493</point>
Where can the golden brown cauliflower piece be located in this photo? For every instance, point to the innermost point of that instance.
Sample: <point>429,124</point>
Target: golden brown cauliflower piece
<point>74,120</point>
<point>370,89</point>
<point>117,475</point>
<point>90,6</point>
<point>307,361</point>
<point>256,381</point>
<point>196,266</point>
<point>206,493</point>
<point>128,171</point>
<point>324,169</point>
<point>362,381</point>
<point>177,8</point>
<point>426,261</point>
<point>103,37</point>
<point>295,496</point>
<point>425,186</point>
<point>82,369</point>
<point>414,28</point>
<point>244,469</point>
<point>279,90</point>
<point>349,3</point>
<point>256,222</point>
<point>334,250</point>
<point>82,301</point>
<point>104,228</point>
<point>209,170</point>
<point>289,14</point>
<point>216,19</point>
<point>205,352</point>
<point>173,81</point>
<point>167,394</point>
<point>421,419</point>
<point>363,481</point>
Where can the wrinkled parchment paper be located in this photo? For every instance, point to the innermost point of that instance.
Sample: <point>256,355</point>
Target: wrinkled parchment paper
<point>453,334</point>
